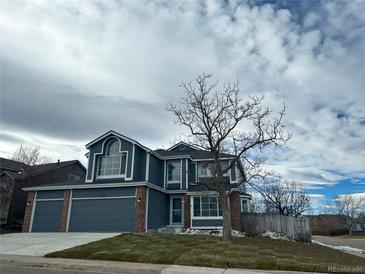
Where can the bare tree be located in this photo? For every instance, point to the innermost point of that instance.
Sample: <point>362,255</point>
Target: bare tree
<point>283,197</point>
<point>30,155</point>
<point>220,121</point>
<point>350,207</point>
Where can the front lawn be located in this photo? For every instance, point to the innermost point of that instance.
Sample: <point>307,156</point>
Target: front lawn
<point>211,251</point>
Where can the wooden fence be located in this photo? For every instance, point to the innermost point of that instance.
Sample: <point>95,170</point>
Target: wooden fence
<point>295,228</point>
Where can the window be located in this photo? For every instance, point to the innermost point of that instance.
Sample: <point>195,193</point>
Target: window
<point>207,169</point>
<point>113,163</point>
<point>4,187</point>
<point>207,206</point>
<point>74,177</point>
<point>244,205</point>
<point>357,227</point>
<point>174,171</point>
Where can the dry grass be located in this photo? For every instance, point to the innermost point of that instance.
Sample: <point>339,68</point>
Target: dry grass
<point>211,251</point>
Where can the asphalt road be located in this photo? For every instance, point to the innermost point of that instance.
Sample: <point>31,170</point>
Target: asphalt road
<point>356,243</point>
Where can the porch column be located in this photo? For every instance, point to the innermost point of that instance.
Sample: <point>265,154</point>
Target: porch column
<point>28,211</point>
<point>186,211</point>
<point>235,210</point>
<point>141,202</point>
<point>66,200</point>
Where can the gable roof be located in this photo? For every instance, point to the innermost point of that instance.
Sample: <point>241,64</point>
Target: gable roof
<point>11,165</point>
<point>27,170</point>
<point>193,154</point>
<point>181,143</point>
<point>114,133</point>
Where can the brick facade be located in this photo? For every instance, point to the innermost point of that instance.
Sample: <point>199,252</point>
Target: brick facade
<point>186,211</point>
<point>28,211</point>
<point>235,210</point>
<point>66,200</point>
<point>141,201</point>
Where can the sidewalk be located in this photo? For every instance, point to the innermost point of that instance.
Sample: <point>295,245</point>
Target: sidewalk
<point>121,267</point>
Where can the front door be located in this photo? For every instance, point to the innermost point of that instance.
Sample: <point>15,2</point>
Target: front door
<point>176,211</point>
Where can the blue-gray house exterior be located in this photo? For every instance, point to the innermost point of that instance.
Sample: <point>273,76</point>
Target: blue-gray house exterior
<point>130,187</point>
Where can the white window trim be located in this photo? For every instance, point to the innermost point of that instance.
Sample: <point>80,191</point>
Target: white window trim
<point>175,182</point>
<point>124,175</point>
<point>93,171</point>
<point>204,217</point>
<point>227,174</point>
<point>147,173</point>
<point>164,174</point>
<point>182,209</point>
<point>186,174</point>
<point>132,163</point>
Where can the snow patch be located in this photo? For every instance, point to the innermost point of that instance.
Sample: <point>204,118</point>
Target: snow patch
<point>215,232</point>
<point>275,236</point>
<point>341,247</point>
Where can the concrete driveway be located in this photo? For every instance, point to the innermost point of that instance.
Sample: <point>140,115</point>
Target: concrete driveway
<point>39,244</point>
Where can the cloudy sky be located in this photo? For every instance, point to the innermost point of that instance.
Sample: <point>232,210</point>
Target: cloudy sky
<point>71,71</point>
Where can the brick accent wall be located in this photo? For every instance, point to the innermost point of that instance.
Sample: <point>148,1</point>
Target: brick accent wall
<point>235,210</point>
<point>66,201</point>
<point>186,211</point>
<point>28,211</point>
<point>140,220</point>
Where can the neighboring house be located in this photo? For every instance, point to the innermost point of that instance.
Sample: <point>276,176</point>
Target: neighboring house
<point>16,175</point>
<point>358,225</point>
<point>328,224</point>
<point>130,187</point>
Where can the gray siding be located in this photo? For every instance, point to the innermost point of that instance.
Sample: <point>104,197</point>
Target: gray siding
<point>173,186</point>
<point>104,192</point>
<point>47,216</point>
<point>104,215</point>
<point>158,209</point>
<point>207,223</point>
<point>50,194</point>
<point>139,169</point>
<point>156,171</point>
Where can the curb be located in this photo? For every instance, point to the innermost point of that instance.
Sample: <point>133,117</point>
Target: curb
<point>81,265</point>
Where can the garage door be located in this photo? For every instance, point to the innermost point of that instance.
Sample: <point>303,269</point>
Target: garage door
<point>47,211</point>
<point>102,210</point>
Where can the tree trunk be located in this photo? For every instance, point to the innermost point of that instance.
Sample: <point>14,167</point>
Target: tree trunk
<point>226,212</point>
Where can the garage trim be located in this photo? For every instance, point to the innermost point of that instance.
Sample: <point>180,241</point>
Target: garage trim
<point>104,198</point>
<point>69,211</point>
<point>32,215</point>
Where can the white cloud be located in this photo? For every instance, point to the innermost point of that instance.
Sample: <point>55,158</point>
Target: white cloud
<point>137,53</point>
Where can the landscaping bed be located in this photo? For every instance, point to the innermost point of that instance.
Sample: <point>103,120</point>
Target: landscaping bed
<point>211,251</point>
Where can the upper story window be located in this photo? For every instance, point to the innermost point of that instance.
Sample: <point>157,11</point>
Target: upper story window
<point>112,163</point>
<point>206,169</point>
<point>174,171</point>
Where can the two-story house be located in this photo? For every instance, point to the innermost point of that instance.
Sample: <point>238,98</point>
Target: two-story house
<point>130,187</point>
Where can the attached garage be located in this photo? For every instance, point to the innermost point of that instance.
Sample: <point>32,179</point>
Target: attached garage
<point>47,211</point>
<point>102,210</point>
